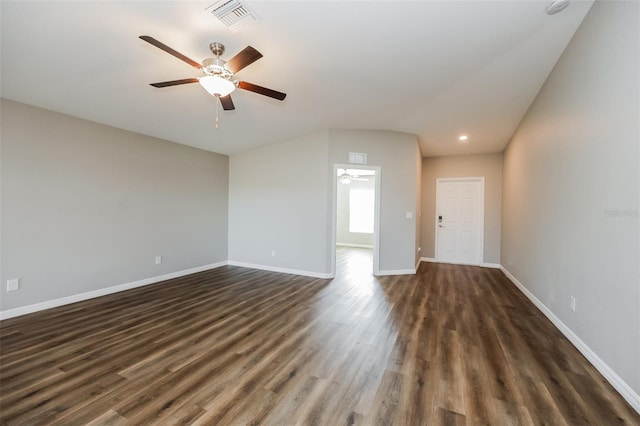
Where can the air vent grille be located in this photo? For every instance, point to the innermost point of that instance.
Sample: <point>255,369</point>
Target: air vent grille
<point>357,158</point>
<point>233,13</point>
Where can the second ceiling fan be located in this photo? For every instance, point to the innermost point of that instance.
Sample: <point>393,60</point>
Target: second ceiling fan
<point>218,74</point>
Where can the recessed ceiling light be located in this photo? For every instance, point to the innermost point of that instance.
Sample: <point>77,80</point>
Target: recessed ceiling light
<point>463,138</point>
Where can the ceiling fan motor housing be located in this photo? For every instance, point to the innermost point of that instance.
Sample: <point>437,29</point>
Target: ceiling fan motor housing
<point>217,48</point>
<point>215,66</point>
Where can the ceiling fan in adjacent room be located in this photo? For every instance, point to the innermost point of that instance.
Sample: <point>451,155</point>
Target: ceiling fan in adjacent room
<point>218,78</point>
<point>346,176</point>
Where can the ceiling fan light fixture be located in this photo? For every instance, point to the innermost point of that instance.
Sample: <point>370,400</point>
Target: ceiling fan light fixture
<point>217,86</point>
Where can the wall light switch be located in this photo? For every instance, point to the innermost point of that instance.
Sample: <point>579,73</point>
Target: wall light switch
<point>409,215</point>
<point>13,285</point>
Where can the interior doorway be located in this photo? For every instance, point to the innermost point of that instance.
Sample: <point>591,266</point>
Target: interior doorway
<point>356,212</point>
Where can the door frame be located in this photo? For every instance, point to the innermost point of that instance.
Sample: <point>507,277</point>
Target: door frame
<point>479,179</point>
<point>376,214</point>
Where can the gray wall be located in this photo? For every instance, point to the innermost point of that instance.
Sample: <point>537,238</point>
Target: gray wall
<point>278,197</point>
<point>398,155</point>
<point>488,166</point>
<point>87,206</point>
<point>343,235</point>
<point>281,198</point>
<point>570,222</point>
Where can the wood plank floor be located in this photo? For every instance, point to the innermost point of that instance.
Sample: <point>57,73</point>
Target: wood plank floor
<point>452,345</point>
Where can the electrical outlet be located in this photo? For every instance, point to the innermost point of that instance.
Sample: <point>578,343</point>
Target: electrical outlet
<point>158,260</point>
<point>13,285</point>
<point>573,303</point>
<point>273,253</point>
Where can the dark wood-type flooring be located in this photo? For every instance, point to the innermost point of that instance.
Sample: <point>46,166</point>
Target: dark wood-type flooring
<point>452,345</point>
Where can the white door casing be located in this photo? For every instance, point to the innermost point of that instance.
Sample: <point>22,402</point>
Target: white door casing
<point>460,220</point>
<point>376,218</point>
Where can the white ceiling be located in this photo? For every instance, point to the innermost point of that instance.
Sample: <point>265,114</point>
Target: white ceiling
<point>436,69</point>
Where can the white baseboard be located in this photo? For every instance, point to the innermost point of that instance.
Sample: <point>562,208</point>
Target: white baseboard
<point>282,270</point>
<point>483,264</point>
<point>355,245</point>
<point>396,272</point>
<point>23,310</point>
<point>620,385</point>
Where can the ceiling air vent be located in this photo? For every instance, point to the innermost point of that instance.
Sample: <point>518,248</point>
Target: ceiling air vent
<point>233,13</point>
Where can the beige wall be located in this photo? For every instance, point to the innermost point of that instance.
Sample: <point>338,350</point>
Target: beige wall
<point>87,206</point>
<point>571,189</point>
<point>488,166</point>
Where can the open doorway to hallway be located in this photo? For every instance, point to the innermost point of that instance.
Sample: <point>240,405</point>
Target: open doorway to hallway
<point>354,261</point>
<point>356,212</point>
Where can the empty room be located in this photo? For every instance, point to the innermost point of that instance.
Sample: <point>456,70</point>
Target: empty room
<point>256,212</point>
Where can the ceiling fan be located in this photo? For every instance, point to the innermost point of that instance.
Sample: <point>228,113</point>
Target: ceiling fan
<point>218,74</point>
<point>345,177</point>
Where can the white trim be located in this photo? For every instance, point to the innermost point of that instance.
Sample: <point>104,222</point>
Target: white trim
<point>29,309</point>
<point>354,245</point>
<point>484,264</point>
<point>616,381</point>
<point>479,179</point>
<point>376,218</point>
<point>396,272</point>
<point>418,265</point>
<point>282,270</point>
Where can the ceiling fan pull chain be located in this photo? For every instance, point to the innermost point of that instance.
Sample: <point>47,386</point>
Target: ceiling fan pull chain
<point>217,108</point>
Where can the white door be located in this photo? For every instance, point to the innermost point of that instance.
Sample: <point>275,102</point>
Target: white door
<point>460,220</point>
